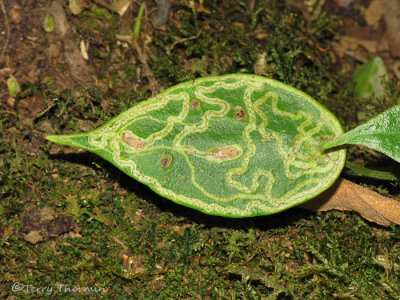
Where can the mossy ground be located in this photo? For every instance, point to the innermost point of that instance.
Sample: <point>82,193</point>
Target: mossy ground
<point>135,244</point>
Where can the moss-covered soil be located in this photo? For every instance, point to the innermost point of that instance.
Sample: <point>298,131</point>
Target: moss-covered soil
<point>73,226</point>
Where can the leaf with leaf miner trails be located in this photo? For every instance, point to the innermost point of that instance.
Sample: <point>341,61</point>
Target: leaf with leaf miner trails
<point>236,145</point>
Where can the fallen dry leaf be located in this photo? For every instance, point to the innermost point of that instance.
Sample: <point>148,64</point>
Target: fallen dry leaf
<point>121,6</point>
<point>374,12</point>
<point>76,6</point>
<point>391,11</point>
<point>39,224</point>
<point>348,43</point>
<point>347,196</point>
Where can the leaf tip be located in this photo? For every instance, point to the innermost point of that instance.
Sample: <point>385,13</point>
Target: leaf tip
<point>59,139</point>
<point>52,138</point>
<point>72,140</point>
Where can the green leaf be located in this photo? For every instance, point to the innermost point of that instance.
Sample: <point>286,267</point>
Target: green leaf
<point>48,23</point>
<point>381,133</point>
<point>13,86</point>
<point>370,78</point>
<point>236,145</point>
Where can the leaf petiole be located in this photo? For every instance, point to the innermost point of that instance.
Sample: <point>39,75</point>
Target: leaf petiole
<point>357,170</point>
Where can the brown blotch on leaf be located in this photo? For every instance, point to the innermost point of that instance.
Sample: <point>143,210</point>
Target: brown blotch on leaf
<point>225,153</point>
<point>133,141</point>
<point>240,114</point>
<point>166,160</point>
<point>195,103</point>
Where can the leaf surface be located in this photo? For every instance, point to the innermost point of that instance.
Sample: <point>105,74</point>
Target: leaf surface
<point>381,133</point>
<point>236,145</point>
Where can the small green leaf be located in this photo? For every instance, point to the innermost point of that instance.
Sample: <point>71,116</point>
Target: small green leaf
<point>236,145</point>
<point>48,23</point>
<point>13,86</point>
<point>381,133</point>
<point>370,78</point>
